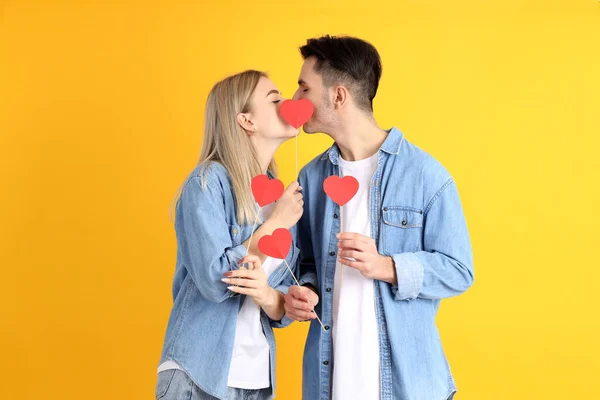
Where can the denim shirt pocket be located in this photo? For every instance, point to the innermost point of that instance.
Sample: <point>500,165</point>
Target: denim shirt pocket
<point>402,229</point>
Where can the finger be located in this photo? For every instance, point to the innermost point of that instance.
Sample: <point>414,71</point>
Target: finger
<point>240,273</point>
<point>299,304</point>
<point>358,265</point>
<point>301,316</point>
<point>248,283</point>
<point>304,295</point>
<point>296,292</point>
<point>250,258</point>
<point>241,290</point>
<point>250,263</point>
<point>254,266</point>
<point>352,244</point>
<point>300,293</point>
<point>357,255</point>
<point>309,296</point>
<point>298,315</point>
<point>353,236</point>
<point>246,266</point>
<point>253,274</point>
<point>292,187</point>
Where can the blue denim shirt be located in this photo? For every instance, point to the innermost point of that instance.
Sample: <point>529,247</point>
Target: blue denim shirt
<point>201,327</point>
<point>417,219</point>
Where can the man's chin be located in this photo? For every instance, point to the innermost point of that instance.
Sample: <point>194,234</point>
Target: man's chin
<point>308,129</point>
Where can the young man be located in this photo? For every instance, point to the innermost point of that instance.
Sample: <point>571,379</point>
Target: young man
<point>404,247</point>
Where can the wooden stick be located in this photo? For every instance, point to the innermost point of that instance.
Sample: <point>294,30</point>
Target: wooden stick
<point>341,265</point>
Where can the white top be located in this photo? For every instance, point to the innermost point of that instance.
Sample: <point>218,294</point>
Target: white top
<point>355,330</point>
<point>250,359</point>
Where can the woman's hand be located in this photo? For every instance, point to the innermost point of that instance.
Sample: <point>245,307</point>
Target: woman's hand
<point>253,282</point>
<point>289,208</point>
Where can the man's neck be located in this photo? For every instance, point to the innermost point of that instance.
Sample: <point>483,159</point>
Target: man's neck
<point>359,139</point>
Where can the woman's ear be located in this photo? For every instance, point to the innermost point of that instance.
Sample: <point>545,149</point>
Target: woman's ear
<point>244,120</point>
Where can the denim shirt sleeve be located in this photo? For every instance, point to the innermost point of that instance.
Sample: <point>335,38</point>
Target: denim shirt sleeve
<point>203,235</point>
<point>445,266</point>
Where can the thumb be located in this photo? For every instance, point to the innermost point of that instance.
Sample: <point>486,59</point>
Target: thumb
<point>307,295</point>
<point>292,187</point>
<point>297,292</point>
<point>257,265</point>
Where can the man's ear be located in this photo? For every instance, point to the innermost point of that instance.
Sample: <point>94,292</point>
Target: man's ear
<point>341,96</point>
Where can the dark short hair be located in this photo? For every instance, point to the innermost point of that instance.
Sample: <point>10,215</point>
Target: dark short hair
<point>347,60</point>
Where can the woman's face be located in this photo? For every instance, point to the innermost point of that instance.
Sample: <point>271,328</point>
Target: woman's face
<point>266,120</point>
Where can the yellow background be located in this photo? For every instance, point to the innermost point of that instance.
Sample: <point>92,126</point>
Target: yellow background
<point>101,109</point>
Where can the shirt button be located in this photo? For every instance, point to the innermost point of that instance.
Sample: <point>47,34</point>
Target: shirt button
<point>404,223</point>
<point>385,208</point>
<point>328,289</point>
<point>332,253</point>
<point>235,231</point>
<point>326,327</point>
<point>335,216</point>
<point>325,362</point>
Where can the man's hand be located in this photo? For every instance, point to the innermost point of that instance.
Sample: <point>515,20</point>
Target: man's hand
<point>366,258</point>
<point>300,303</point>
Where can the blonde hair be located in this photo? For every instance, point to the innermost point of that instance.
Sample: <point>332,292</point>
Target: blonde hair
<point>226,142</point>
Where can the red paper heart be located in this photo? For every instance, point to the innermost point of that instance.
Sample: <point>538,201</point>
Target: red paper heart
<point>340,190</point>
<point>276,245</point>
<point>266,190</point>
<point>296,112</point>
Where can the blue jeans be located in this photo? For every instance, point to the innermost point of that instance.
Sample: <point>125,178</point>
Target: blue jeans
<point>174,384</point>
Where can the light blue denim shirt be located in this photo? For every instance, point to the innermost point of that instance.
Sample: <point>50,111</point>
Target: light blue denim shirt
<point>201,327</point>
<point>417,219</point>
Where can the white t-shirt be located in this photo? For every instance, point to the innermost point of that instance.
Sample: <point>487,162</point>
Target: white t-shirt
<point>250,359</point>
<point>355,330</point>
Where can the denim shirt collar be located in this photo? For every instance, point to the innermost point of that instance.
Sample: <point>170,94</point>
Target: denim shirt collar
<point>390,145</point>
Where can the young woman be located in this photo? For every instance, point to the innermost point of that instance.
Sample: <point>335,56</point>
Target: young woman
<point>219,342</point>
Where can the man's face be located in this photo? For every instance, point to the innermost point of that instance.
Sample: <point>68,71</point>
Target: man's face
<point>310,86</point>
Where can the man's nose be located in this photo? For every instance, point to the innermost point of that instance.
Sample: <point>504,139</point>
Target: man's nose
<point>297,95</point>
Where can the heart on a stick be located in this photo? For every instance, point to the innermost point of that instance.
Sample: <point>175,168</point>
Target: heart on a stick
<point>276,245</point>
<point>340,190</point>
<point>296,112</point>
<point>266,190</point>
